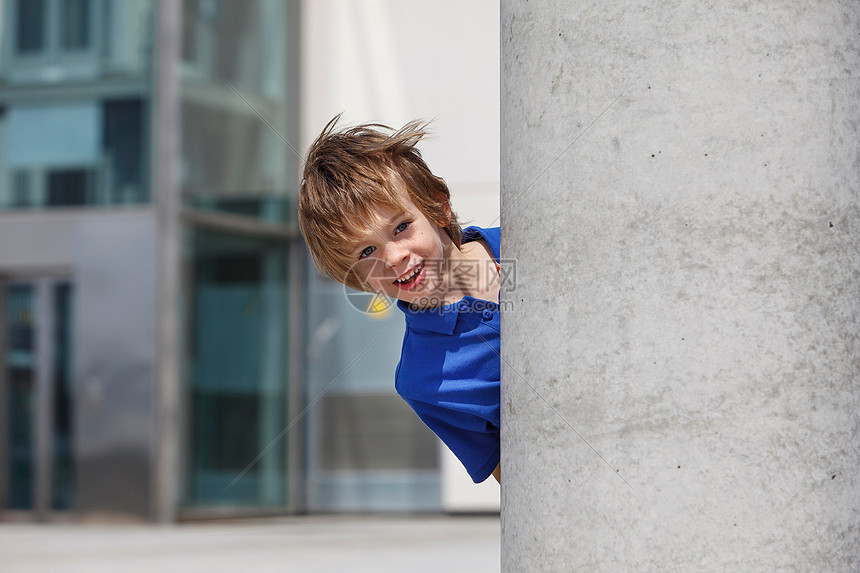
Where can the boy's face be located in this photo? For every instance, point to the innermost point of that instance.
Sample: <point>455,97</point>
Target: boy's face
<point>402,254</point>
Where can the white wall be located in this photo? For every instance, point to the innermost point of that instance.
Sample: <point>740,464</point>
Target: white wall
<point>392,61</point>
<point>397,60</point>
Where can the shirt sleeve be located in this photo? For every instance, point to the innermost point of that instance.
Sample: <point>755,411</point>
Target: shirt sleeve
<point>453,385</point>
<point>471,437</point>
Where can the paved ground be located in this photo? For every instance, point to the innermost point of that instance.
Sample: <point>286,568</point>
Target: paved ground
<point>317,544</point>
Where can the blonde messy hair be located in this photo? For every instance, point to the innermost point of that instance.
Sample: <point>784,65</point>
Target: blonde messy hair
<point>349,175</point>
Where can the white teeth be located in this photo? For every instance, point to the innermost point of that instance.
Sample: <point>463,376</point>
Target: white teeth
<point>414,272</point>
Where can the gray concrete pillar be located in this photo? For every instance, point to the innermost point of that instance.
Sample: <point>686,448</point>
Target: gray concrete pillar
<point>681,374</point>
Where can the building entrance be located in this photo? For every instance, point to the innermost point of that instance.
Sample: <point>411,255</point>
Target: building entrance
<point>37,458</point>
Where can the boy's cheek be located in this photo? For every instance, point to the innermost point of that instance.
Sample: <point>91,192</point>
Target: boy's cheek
<point>381,273</point>
<point>373,273</point>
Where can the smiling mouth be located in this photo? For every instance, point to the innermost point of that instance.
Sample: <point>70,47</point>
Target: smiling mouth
<point>411,276</point>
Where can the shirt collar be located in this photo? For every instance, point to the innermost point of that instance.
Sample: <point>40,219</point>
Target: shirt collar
<point>444,319</point>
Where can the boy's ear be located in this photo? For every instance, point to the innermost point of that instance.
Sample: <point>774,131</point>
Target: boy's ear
<point>442,199</point>
<point>447,214</point>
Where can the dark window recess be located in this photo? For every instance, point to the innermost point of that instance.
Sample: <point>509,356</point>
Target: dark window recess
<point>20,462</point>
<point>30,27</point>
<point>226,435</point>
<point>123,145</point>
<point>238,269</point>
<point>69,187</point>
<point>74,24</point>
<point>230,269</point>
<point>64,462</point>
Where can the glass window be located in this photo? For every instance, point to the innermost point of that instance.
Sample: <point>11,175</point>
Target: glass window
<point>20,364</point>
<point>55,42</point>
<point>75,154</point>
<point>235,109</point>
<point>68,187</point>
<point>367,450</point>
<point>124,148</point>
<point>74,24</point>
<point>22,189</point>
<point>236,327</point>
<point>30,27</point>
<point>233,163</point>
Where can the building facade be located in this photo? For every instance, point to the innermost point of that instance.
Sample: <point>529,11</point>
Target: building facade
<point>166,349</point>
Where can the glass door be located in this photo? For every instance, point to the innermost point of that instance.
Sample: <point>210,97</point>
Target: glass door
<point>36,399</point>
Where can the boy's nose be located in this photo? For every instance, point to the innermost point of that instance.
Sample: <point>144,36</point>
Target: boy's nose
<point>396,257</point>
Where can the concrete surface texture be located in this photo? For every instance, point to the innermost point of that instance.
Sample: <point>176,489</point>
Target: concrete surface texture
<point>319,544</point>
<point>681,193</point>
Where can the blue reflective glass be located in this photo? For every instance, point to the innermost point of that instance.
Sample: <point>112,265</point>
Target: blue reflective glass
<point>236,329</point>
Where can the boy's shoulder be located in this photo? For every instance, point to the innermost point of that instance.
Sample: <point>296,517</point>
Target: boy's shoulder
<point>473,232</point>
<point>492,235</point>
<point>434,364</point>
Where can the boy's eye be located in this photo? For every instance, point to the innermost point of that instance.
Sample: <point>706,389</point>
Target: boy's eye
<point>366,252</point>
<point>401,227</point>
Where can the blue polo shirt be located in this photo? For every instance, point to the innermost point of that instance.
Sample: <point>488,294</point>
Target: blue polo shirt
<point>449,372</point>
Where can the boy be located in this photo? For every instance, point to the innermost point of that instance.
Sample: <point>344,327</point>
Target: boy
<point>376,219</point>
